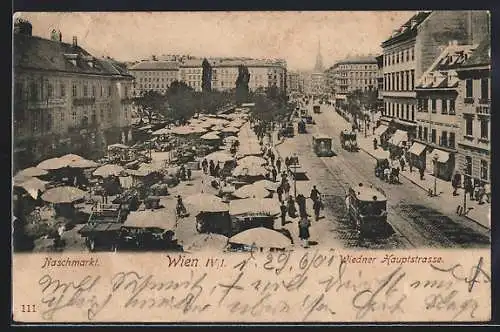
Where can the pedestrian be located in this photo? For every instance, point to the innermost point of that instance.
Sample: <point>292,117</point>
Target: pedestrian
<point>317,208</point>
<point>284,210</point>
<point>292,211</point>
<point>480,194</point>
<point>279,191</point>
<point>304,231</point>
<point>314,194</point>
<point>278,164</point>
<point>410,165</point>
<point>204,165</point>
<point>283,176</point>
<point>286,187</point>
<point>487,192</point>
<point>212,168</point>
<point>402,163</point>
<point>468,188</point>
<point>217,170</point>
<point>272,157</point>
<point>188,174</point>
<point>375,142</point>
<point>287,161</point>
<point>455,183</point>
<point>387,173</point>
<point>421,171</point>
<point>274,173</point>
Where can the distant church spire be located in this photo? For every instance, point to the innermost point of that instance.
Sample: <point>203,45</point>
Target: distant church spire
<point>319,59</point>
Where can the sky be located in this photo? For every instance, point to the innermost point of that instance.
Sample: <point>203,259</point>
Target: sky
<point>292,36</point>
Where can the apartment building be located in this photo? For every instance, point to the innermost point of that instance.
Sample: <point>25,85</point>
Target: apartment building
<point>65,99</point>
<point>411,50</point>
<point>474,114</point>
<point>154,75</point>
<point>435,144</point>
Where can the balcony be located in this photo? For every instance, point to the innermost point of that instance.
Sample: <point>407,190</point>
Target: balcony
<point>468,100</point>
<point>84,101</point>
<point>483,110</point>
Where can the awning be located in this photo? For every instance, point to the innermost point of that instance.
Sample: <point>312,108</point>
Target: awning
<point>399,137</point>
<point>442,156</point>
<point>417,149</point>
<point>381,130</point>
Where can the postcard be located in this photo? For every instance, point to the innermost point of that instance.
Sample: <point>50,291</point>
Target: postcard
<point>243,167</point>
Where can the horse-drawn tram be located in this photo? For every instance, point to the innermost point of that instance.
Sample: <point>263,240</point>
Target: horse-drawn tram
<point>348,140</point>
<point>367,210</point>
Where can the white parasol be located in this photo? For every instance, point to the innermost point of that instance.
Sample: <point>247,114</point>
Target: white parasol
<point>250,170</point>
<point>33,186</point>
<point>254,205</point>
<point>31,172</point>
<point>83,163</point>
<point>108,170</point>
<point>252,191</point>
<point>210,137</point>
<point>65,194</point>
<point>219,156</point>
<point>252,161</point>
<point>206,203</point>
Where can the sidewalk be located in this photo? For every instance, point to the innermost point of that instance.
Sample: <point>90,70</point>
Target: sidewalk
<point>477,213</point>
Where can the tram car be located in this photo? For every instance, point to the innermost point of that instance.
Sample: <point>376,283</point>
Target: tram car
<point>322,145</point>
<point>367,211</point>
<point>348,140</point>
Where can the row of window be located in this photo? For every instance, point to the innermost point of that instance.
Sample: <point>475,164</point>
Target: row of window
<point>400,111</point>
<point>357,66</point>
<point>357,82</point>
<point>39,91</point>
<point>484,88</point>
<point>362,73</point>
<point>149,79</point>
<point>157,73</point>
<point>446,139</point>
<point>483,168</point>
<point>445,106</point>
<point>402,56</point>
<point>484,127</point>
<point>400,81</point>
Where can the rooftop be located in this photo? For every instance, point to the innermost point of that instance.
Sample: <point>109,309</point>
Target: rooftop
<point>481,56</point>
<point>35,53</point>
<point>359,59</point>
<point>155,65</point>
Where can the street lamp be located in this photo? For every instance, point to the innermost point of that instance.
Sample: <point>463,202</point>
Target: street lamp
<point>435,157</point>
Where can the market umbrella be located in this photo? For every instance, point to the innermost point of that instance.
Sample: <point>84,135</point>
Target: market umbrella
<point>71,157</point>
<point>206,241</point>
<point>162,131</point>
<point>230,130</point>
<point>33,186</point>
<point>252,161</point>
<point>108,170</point>
<point>118,146</point>
<point>210,137</point>
<point>83,163</point>
<point>206,203</point>
<point>53,164</point>
<point>231,139</point>
<point>164,219</point>
<point>254,205</point>
<point>18,179</point>
<point>261,237</point>
<point>219,156</point>
<point>251,191</point>
<point>65,194</point>
<point>249,170</point>
<point>31,172</point>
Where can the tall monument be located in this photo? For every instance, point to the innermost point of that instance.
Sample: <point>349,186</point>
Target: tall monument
<point>317,76</point>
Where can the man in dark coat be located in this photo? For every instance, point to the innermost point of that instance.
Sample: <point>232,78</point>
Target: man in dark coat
<point>284,210</point>
<point>274,173</point>
<point>314,194</point>
<point>279,191</point>
<point>278,164</point>
<point>301,202</point>
<point>317,208</point>
<point>292,211</point>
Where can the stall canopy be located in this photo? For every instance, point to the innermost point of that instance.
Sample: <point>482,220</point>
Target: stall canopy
<point>64,194</point>
<point>417,149</point>
<point>261,237</point>
<point>108,170</point>
<point>254,206</point>
<point>443,156</point>
<point>381,130</point>
<point>33,186</point>
<point>219,156</point>
<point>32,171</point>
<point>252,191</point>
<point>206,203</point>
<point>399,137</point>
<point>162,218</point>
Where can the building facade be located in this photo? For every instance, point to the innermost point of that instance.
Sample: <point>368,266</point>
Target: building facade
<point>65,100</point>
<point>295,82</point>
<point>435,144</point>
<point>474,114</point>
<point>154,75</point>
<point>411,50</point>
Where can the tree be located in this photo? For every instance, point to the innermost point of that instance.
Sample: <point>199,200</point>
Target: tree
<point>242,89</point>
<point>206,79</point>
<point>150,103</point>
<point>182,100</point>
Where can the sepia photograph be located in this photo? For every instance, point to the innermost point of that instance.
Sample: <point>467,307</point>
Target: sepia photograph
<point>129,138</point>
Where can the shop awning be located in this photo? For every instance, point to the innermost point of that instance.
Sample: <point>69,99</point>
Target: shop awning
<point>442,156</point>
<point>399,137</point>
<point>381,130</point>
<point>417,149</point>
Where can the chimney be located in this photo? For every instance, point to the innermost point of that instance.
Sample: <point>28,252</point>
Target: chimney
<point>75,41</point>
